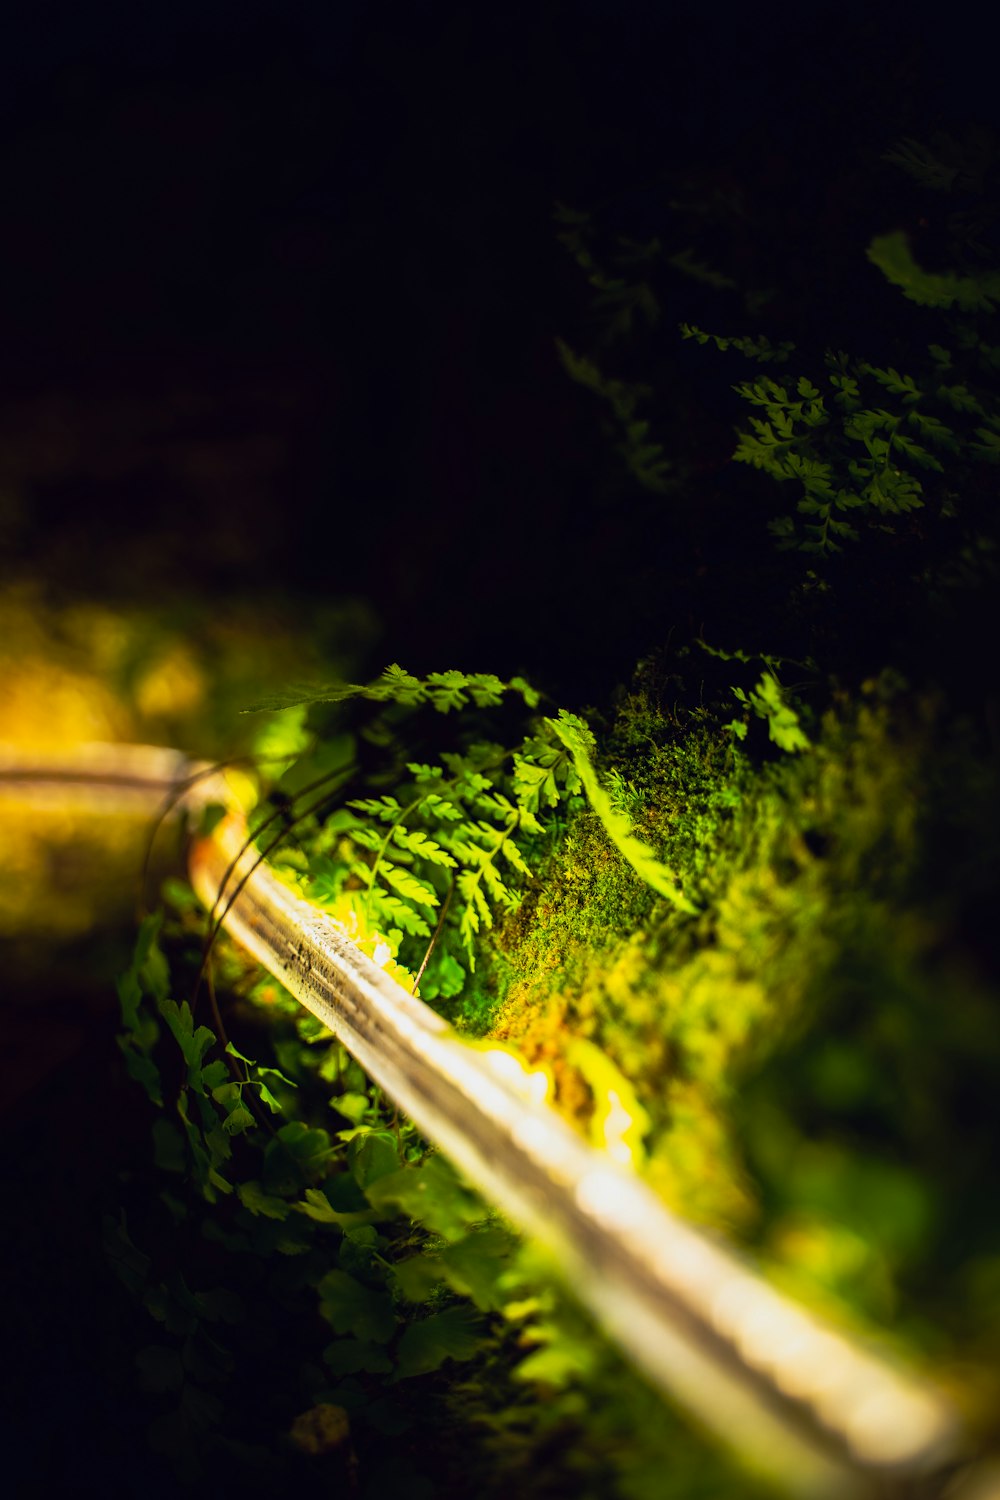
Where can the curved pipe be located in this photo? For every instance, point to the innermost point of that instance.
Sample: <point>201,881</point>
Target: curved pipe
<point>824,1415</point>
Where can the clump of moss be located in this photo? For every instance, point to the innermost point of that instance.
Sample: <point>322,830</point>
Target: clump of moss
<point>814,1051</point>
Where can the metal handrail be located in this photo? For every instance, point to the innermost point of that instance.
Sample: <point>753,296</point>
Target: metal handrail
<point>827,1416</point>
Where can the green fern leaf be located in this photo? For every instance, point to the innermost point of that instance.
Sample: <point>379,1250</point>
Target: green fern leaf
<point>579,741</point>
<point>401,914</point>
<point>447,690</point>
<point>919,454</point>
<point>441,809</point>
<point>757,348</point>
<point>690,264</point>
<point>892,255</point>
<point>409,886</point>
<point>368,838</point>
<point>421,844</point>
<point>903,386</point>
<point>514,857</point>
<point>487,691</point>
<point>383,808</point>
<point>398,685</point>
<point>959,398</point>
<point>989,448</point>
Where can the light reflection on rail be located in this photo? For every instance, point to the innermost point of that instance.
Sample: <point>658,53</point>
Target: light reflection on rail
<point>795,1398</point>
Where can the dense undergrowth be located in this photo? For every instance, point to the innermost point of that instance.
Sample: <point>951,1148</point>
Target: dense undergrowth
<point>749,897</point>
<point>813,1051</point>
<point>801,1045</point>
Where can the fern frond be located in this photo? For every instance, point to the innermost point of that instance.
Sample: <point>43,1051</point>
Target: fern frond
<point>689,263</point>
<point>892,255</point>
<point>947,164</point>
<point>579,741</point>
<point>443,691</point>
<point>417,842</point>
<point>756,348</point>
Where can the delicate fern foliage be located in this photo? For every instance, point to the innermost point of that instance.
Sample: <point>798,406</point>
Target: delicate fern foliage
<point>978,292</point>
<point>863,447</point>
<point>767,700</point>
<point>757,347</point>
<point>690,263</point>
<point>443,691</point>
<point>574,734</point>
<point>618,298</point>
<point>448,827</point>
<point>946,163</point>
<point>419,872</point>
<point>436,857</point>
<point>859,443</point>
<point>625,305</point>
<point>646,460</point>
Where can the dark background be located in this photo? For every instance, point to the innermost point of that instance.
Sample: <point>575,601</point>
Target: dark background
<point>279,291</point>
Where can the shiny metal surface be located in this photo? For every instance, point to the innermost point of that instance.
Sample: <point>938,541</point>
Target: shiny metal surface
<point>795,1398</point>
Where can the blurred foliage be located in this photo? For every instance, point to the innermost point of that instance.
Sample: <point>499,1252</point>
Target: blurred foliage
<point>816,1050</point>
<point>768,934</point>
<point>803,1051</point>
<point>372,1311</point>
<point>172,672</point>
<point>175,674</point>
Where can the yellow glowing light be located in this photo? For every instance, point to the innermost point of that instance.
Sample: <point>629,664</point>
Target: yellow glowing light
<point>620,1123</point>
<point>348,911</point>
<point>611,1199</point>
<point>532,1084</point>
<point>174,684</point>
<point>241,788</point>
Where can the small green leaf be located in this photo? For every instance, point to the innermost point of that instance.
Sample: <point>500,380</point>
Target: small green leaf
<point>430,1194</point>
<point>168,1146</point>
<point>409,886</point>
<point>298,1155</point>
<point>214,1074</point>
<point>340,1207</point>
<point>418,1277</point>
<point>238,1120</point>
<point>558,1364</point>
<point>253,1197</point>
<point>193,1043</point>
<point>372,1156</point>
<point>141,1069</point>
<point>473,1266</point>
<point>453,1334</point>
<point>266,1097</point>
<point>353,1107</point>
<point>351,1307</point>
<point>316,1206</point>
<point>129,998</point>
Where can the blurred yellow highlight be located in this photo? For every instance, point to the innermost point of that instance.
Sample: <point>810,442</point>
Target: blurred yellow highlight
<point>619,1123</point>
<point>532,1084</point>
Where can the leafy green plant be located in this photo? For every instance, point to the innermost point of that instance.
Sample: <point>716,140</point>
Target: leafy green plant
<point>328,1200</point>
<point>320,1241</point>
<point>654,921</point>
<point>868,447</point>
<point>854,445</point>
<point>402,1262</point>
<point>418,872</point>
<point>767,700</point>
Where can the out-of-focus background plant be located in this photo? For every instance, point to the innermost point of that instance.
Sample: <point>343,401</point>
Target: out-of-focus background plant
<point>652,357</point>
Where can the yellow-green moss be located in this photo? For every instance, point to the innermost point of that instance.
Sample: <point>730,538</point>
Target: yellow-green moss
<point>821,908</point>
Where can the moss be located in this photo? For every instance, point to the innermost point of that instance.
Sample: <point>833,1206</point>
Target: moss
<point>806,1047</point>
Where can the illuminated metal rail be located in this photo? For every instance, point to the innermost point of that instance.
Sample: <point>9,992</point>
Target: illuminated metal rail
<point>817,1410</point>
